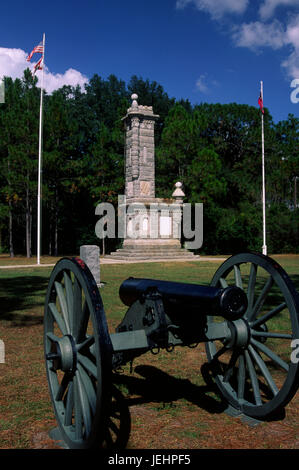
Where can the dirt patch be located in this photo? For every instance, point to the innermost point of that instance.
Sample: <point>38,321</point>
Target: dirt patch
<point>41,440</point>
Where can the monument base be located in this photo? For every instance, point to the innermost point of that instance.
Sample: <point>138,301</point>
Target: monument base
<point>153,249</point>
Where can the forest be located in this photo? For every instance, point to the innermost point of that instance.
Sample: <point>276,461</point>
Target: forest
<point>213,149</point>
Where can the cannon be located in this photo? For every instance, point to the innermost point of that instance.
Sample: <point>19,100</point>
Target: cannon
<point>248,318</point>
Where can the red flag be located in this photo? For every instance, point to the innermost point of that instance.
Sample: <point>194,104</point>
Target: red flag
<point>39,48</point>
<point>260,102</point>
<point>38,65</point>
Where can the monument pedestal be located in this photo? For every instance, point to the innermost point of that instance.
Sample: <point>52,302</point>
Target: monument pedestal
<point>152,251</point>
<point>153,228</point>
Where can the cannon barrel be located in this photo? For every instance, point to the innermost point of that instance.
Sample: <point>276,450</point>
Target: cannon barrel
<point>229,302</point>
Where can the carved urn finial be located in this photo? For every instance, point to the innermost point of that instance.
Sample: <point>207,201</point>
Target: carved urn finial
<point>134,97</point>
<point>178,193</point>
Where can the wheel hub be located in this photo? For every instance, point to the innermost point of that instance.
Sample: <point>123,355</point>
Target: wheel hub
<point>240,333</point>
<point>63,354</point>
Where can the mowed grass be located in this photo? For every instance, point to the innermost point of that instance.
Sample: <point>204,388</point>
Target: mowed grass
<point>178,411</point>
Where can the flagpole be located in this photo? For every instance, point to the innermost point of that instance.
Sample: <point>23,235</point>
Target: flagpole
<point>40,158</point>
<point>264,248</point>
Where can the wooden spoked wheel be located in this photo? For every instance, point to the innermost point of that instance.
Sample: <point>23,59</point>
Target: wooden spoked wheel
<point>78,354</point>
<point>253,367</point>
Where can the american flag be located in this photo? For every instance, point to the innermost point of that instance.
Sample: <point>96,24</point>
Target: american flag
<point>39,48</point>
<point>260,102</point>
<point>38,65</point>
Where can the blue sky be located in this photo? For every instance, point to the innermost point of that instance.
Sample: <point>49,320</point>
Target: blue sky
<point>201,50</point>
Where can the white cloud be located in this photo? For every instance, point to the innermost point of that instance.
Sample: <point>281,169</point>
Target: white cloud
<point>70,77</point>
<point>256,34</point>
<point>275,35</point>
<point>292,32</point>
<point>201,84</point>
<point>205,84</point>
<point>291,64</point>
<point>13,63</point>
<point>216,8</point>
<point>268,7</point>
<point>263,32</point>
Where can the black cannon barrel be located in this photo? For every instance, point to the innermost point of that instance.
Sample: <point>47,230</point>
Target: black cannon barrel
<point>229,302</point>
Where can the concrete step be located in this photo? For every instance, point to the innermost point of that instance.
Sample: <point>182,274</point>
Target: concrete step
<point>163,254</point>
<point>153,253</point>
<point>151,250</point>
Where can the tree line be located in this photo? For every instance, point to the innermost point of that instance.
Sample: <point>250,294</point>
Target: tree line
<point>214,149</point>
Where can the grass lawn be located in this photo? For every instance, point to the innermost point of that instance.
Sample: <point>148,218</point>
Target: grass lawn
<point>170,404</point>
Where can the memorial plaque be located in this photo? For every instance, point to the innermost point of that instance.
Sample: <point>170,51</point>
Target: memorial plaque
<point>145,188</point>
<point>165,226</point>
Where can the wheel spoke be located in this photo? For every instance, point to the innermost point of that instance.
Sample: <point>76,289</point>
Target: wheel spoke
<point>241,377</point>
<point>83,322</point>
<point>264,318</point>
<point>264,370</point>
<point>69,406</point>
<point>223,283</point>
<point>88,365</point>
<point>69,298</point>
<point>269,334</point>
<point>52,337</point>
<point>85,409</point>
<point>63,305</point>
<point>261,299</point>
<point>62,387</point>
<point>78,411</point>
<point>219,353</point>
<point>251,287</point>
<point>86,343</point>
<point>113,427</point>
<point>230,366</point>
<point>254,380</point>
<point>58,318</point>
<point>77,308</point>
<point>270,354</point>
<point>238,279</point>
<point>89,389</point>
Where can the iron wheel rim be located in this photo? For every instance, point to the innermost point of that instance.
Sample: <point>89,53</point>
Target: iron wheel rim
<point>252,360</point>
<point>81,392</point>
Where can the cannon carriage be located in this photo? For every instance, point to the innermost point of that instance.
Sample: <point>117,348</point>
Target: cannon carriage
<point>247,317</point>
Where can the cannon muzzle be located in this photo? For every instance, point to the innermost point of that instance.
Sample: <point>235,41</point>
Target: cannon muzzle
<point>229,302</point>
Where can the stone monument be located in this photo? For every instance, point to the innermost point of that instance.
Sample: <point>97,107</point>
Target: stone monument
<point>152,224</point>
<point>90,254</point>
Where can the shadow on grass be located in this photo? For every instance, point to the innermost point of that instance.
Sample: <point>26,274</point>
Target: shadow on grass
<point>20,299</point>
<point>156,385</point>
<point>153,386</point>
